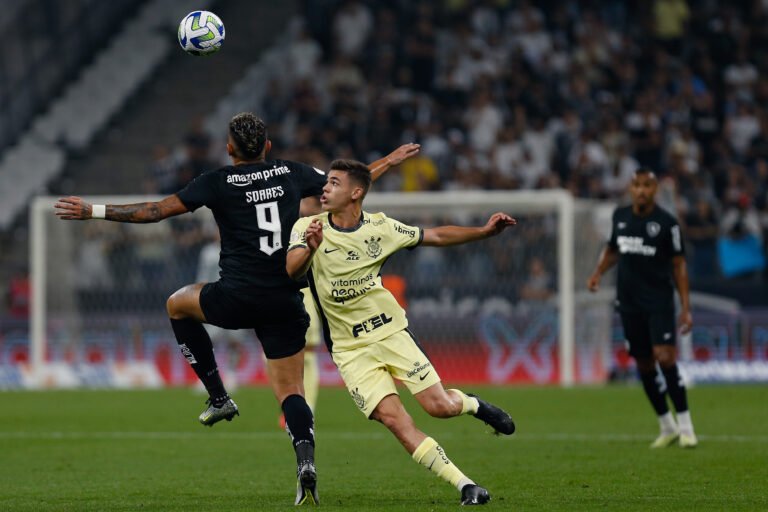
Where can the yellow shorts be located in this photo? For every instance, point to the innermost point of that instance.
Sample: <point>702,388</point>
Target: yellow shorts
<point>314,331</point>
<point>368,371</point>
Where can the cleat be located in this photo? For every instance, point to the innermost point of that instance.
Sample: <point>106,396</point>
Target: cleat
<point>213,414</point>
<point>497,418</point>
<point>688,441</point>
<point>306,484</point>
<point>665,440</point>
<point>472,494</point>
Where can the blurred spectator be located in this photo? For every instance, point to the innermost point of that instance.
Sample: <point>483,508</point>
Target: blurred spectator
<point>351,27</point>
<point>304,54</point>
<point>19,294</point>
<point>419,173</point>
<point>701,231</point>
<point>538,285</point>
<point>671,17</point>
<point>92,260</point>
<point>161,177</point>
<point>741,128</point>
<point>484,120</point>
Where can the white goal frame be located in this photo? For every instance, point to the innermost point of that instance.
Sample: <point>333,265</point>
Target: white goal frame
<point>513,202</point>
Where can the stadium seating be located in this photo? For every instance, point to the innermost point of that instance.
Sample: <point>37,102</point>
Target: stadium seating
<point>87,105</point>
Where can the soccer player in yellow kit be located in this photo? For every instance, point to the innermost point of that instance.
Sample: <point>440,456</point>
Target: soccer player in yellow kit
<point>341,251</point>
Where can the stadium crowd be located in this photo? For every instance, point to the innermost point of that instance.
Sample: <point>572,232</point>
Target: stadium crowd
<point>506,94</point>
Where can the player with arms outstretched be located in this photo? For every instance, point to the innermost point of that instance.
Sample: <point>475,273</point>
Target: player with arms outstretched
<point>366,331</point>
<point>254,202</point>
<point>647,245</point>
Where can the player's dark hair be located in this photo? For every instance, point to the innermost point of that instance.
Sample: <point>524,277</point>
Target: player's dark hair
<point>249,133</point>
<point>357,171</point>
<point>640,171</point>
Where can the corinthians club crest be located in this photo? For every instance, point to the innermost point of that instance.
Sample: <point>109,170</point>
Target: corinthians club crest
<point>373,248</point>
<point>653,229</point>
<point>358,398</point>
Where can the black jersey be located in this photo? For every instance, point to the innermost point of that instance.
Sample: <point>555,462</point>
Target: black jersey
<point>255,206</point>
<point>646,246</point>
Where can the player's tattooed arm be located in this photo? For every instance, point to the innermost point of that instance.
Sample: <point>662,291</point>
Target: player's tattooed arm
<point>75,208</point>
<point>398,156</point>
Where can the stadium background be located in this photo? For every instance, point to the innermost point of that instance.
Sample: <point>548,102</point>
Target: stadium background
<point>97,98</point>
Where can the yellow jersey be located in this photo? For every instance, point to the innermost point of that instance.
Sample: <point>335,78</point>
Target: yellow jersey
<point>344,276</point>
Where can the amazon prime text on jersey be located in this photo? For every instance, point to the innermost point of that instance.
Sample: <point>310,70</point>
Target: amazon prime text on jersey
<point>243,180</point>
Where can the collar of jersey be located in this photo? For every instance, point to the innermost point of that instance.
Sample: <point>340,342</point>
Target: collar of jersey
<point>346,230</point>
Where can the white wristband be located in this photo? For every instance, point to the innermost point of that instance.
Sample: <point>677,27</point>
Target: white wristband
<point>99,211</point>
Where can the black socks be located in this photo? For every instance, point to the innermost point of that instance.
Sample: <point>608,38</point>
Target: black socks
<point>675,387</point>
<point>301,427</point>
<point>197,348</point>
<point>652,388</point>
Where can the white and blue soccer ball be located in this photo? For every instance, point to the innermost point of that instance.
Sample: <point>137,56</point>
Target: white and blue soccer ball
<point>201,33</point>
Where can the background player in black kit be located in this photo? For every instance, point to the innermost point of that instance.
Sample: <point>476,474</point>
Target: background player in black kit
<point>255,202</point>
<point>647,244</point>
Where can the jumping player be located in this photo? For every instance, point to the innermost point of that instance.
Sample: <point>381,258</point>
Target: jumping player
<point>254,201</point>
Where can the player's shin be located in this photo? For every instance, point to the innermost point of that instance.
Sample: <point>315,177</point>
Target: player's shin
<point>301,427</point>
<point>679,396</point>
<point>197,348</point>
<point>432,456</point>
<point>653,390</point>
<point>675,387</point>
<point>311,378</point>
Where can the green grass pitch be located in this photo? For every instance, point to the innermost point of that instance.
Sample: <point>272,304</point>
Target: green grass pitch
<point>579,449</point>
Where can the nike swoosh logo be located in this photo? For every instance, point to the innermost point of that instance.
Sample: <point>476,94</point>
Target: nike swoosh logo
<point>330,251</point>
<point>422,377</point>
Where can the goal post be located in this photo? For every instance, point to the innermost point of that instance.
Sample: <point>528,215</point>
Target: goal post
<point>555,201</point>
<point>503,310</point>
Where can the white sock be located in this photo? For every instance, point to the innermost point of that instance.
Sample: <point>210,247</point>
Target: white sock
<point>667,423</point>
<point>684,420</point>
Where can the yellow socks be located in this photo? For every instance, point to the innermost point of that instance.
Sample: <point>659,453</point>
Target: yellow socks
<point>430,455</point>
<point>469,405</point>
<point>311,378</point>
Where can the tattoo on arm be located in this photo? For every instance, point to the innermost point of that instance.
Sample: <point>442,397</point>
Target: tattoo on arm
<point>135,213</point>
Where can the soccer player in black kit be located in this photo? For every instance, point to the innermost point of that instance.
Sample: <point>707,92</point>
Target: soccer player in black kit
<point>255,202</point>
<point>648,247</point>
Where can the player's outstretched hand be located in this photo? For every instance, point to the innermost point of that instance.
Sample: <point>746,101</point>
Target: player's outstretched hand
<point>73,208</point>
<point>593,283</point>
<point>685,322</point>
<point>403,153</point>
<point>498,223</point>
<point>314,234</point>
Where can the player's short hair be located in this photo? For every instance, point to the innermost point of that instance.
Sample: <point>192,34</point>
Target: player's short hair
<point>641,171</point>
<point>357,171</point>
<point>249,133</point>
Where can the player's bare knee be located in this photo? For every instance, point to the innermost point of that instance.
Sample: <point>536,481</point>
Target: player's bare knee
<point>665,357</point>
<point>173,306</point>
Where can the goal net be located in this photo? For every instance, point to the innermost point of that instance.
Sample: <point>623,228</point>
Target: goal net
<point>503,310</point>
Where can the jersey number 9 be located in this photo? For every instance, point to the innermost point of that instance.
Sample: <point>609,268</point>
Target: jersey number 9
<point>268,219</point>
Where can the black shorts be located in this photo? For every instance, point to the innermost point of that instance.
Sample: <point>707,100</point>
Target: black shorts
<point>278,317</point>
<point>644,330</point>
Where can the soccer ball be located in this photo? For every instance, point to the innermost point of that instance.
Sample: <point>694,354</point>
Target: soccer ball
<point>201,33</point>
